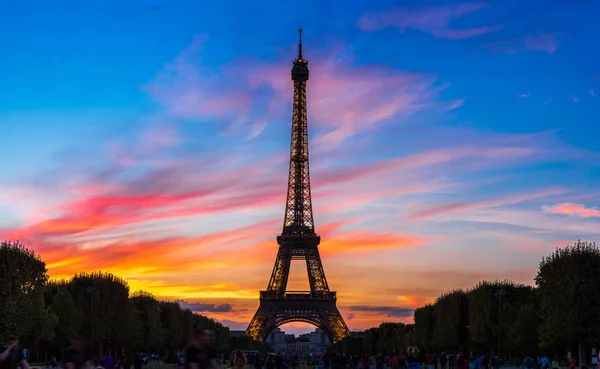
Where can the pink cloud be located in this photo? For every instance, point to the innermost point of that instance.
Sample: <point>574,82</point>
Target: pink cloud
<point>189,90</point>
<point>433,20</point>
<point>342,99</point>
<point>544,42</point>
<point>568,208</point>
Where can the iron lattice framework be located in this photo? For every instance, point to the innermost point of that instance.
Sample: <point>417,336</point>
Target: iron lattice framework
<point>298,241</point>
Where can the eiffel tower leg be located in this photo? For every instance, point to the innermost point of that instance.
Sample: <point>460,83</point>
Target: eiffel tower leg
<point>257,324</point>
<point>337,324</point>
<point>316,274</point>
<point>281,271</point>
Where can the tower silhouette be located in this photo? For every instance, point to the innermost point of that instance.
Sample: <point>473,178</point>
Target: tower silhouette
<point>298,241</point>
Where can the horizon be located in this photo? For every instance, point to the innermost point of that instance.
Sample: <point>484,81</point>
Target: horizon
<point>450,142</point>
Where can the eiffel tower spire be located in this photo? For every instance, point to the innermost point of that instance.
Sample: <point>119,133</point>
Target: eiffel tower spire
<point>298,210</point>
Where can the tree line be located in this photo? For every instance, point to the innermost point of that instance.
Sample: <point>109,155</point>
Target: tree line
<point>556,316</point>
<point>97,306</point>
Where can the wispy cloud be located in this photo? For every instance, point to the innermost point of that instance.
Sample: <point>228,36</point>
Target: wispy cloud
<point>592,93</point>
<point>391,311</point>
<point>540,41</point>
<point>568,208</point>
<point>524,96</point>
<point>205,308</point>
<point>464,206</point>
<point>433,20</point>
<point>344,99</point>
<point>457,104</point>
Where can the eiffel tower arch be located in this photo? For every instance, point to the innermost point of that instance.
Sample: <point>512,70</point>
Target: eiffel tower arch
<point>298,241</point>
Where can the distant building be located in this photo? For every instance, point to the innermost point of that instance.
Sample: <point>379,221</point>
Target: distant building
<point>313,342</point>
<point>237,333</point>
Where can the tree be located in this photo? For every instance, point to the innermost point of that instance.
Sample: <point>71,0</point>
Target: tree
<point>492,306</point>
<point>109,297</point>
<point>569,286</point>
<point>522,335</point>
<point>147,313</point>
<point>424,324</point>
<point>44,323</point>
<point>172,324</point>
<point>22,277</point>
<point>391,337</point>
<point>68,314</point>
<point>371,340</point>
<point>451,330</point>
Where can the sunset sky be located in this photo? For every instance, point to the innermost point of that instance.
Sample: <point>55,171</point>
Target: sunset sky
<point>450,142</point>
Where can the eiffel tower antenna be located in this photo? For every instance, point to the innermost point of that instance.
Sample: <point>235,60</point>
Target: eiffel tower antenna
<point>298,241</point>
<point>300,45</point>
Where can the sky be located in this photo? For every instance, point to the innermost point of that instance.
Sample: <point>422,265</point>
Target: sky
<point>451,141</point>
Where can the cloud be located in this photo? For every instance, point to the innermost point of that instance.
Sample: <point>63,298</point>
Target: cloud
<point>592,93</point>
<point>202,308</point>
<point>234,325</point>
<point>540,41</point>
<point>433,20</point>
<point>391,311</point>
<point>568,208</point>
<point>465,206</point>
<point>524,96</point>
<point>457,104</point>
<point>344,99</point>
<point>574,98</point>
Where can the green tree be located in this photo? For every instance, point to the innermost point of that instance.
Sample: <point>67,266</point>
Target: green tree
<point>492,306</point>
<point>569,286</point>
<point>109,296</point>
<point>22,277</point>
<point>391,337</point>
<point>424,324</point>
<point>147,312</point>
<point>522,335</point>
<point>451,330</point>
<point>371,340</point>
<point>172,323</point>
<point>68,314</point>
<point>44,324</point>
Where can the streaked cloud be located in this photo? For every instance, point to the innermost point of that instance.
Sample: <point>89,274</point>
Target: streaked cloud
<point>390,311</point>
<point>540,41</point>
<point>435,20</point>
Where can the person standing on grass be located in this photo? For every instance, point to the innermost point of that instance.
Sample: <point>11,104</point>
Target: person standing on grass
<point>239,359</point>
<point>11,356</point>
<point>107,361</point>
<point>200,354</point>
<point>76,356</point>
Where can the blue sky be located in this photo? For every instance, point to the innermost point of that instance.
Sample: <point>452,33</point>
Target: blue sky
<point>454,141</point>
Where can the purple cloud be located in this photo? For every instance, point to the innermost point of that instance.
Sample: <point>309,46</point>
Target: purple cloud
<point>544,42</point>
<point>433,20</point>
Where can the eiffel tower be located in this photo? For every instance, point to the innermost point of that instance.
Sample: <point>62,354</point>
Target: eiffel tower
<point>298,241</point>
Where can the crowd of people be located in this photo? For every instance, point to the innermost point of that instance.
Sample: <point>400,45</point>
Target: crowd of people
<point>200,354</point>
